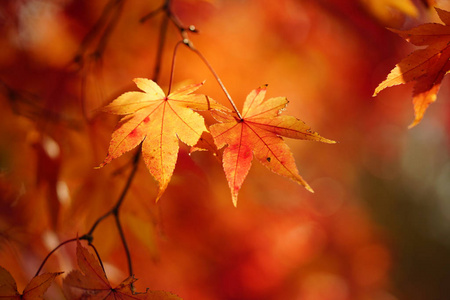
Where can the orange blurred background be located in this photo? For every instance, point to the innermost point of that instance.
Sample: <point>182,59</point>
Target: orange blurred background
<point>377,225</point>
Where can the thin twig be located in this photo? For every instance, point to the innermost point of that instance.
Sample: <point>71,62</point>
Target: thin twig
<point>130,179</point>
<point>124,242</point>
<point>109,29</point>
<point>122,195</point>
<point>101,31</point>
<point>89,236</point>
<point>151,14</point>
<point>96,29</point>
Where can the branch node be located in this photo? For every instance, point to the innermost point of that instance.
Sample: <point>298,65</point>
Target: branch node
<point>192,28</point>
<point>188,43</point>
<point>88,237</point>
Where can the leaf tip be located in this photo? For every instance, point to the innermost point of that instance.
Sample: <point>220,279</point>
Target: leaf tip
<point>158,197</point>
<point>262,88</point>
<point>414,123</point>
<point>139,79</point>
<point>234,198</point>
<point>309,188</point>
<point>328,141</point>
<point>378,89</point>
<point>234,195</point>
<point>161,190</point>
<point>104,163</point>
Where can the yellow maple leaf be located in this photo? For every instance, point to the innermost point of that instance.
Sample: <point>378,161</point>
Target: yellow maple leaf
<point>158,121</point>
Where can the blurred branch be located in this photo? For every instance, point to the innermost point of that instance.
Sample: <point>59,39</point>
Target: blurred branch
<point>161,43</point>
<point>79,59</point>
<point>106,23</point>
<point>101,31</point>
<point>27,104</point>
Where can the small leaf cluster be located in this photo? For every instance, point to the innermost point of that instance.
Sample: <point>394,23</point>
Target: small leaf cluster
<point>157,122</point>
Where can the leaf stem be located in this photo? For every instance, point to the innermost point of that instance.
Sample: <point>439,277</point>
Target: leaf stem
<point>211,69</point>
<point>51,252</point>
<point>173,66</point>
<point>159,53</point>
<point>185,39</point>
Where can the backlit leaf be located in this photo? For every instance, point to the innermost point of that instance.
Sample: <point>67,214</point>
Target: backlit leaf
<point>90,282</point>
<point>159,122</point>
<point>35,289</point>
<point>259,133</point>
<point>425,67</point>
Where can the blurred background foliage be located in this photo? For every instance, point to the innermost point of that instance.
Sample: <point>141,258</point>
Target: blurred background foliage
<point>378,225</point>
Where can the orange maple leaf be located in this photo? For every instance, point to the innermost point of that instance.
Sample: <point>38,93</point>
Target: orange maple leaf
<point>426,67</point>
<point>259,132</point>
<point>35,289</point>
<point>91,282</point>
<point>159,121</point>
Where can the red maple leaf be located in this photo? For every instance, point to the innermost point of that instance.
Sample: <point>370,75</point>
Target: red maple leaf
<point>259,133</point>
<point>35,289</point>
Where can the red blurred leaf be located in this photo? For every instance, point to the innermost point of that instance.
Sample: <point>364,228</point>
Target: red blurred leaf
<point>35,289</point>
<point>426,67</point>
<point>259,132</point>
<point>8,286</point>
<point>91,282</point>
<point>384,9</point>
<point>159,121</point>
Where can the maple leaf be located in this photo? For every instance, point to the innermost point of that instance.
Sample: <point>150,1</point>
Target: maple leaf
<point>91,282</point>
<point>159,121</point>
<point>259,133</point>
<point>426,67</point>
<point>35,289</point>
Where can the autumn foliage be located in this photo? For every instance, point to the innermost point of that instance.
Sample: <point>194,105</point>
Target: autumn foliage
<point>259,132</point>
<point>158,122</point>
<point>91,282</point>
<point>35,289</point>
<point>130,128</point>
<point>426,67</point>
